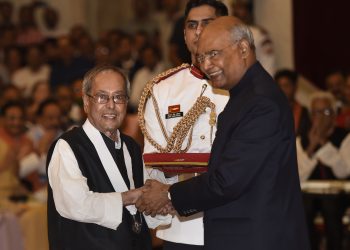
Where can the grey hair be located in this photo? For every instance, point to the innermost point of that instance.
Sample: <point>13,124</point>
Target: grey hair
<point>325,96</point>
<point>241,31</point>
<point>90,76</point>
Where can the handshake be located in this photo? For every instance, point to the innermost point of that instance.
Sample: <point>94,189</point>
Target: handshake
<point>152,198</point>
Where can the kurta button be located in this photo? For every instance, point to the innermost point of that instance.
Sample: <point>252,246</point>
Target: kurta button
<point>202,137</point>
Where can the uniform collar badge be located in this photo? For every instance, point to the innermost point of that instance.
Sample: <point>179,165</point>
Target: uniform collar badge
<point>197,72</point>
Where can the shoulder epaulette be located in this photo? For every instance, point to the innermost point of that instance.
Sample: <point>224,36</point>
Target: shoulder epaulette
<point>170,72</point>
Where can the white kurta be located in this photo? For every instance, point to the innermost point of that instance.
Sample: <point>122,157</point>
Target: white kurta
<point>338,159</point>
<point>182,89</point>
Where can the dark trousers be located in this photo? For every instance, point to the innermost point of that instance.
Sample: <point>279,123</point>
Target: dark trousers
<point>178,246</point>
<point>331,208</point>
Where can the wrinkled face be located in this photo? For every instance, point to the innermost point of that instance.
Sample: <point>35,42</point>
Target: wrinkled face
<point>14,121</point>
<point>197,19</point>
<point>287,87</point>
<point>51,117</point>
<point>322,112</point>
<point>220,58</point>
<point>107,117</point>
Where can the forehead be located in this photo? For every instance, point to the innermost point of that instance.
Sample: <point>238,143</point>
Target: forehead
<point>213,39</point>
<point>201,13</point>
<point>109,81</point>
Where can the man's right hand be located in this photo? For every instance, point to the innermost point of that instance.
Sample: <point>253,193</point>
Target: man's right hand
<point>130,197</point>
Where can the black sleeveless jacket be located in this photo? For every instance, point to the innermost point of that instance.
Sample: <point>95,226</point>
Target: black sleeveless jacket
<point>66,234</point>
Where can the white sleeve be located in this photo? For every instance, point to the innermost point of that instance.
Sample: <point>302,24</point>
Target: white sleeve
<point>136,88</point>
<point>71,194</point>
<point>158,220</point>
<point>29,164</point>
<point>337,159</point>
<point>305,164</point>
<point>32,162</point>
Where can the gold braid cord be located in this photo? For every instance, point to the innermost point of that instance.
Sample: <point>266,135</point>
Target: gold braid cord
<point>184,126</point>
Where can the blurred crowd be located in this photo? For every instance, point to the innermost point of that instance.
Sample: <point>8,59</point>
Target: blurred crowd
<point>41,71</point>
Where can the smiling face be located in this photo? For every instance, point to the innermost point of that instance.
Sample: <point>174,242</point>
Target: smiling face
<point>108,117</point>
<point>222,58</point>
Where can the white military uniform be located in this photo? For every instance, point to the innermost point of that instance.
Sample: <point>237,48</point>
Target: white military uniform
<point>181,89</point>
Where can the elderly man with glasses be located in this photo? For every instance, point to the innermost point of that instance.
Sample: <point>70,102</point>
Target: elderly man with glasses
<point>93,170</point>
<point>250,194</point>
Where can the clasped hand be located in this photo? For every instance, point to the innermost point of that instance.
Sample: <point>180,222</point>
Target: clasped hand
<point>152,198</point>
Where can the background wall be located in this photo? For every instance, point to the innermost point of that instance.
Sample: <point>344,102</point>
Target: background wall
<point>276,17</point>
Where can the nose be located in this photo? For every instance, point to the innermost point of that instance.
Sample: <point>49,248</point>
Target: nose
<point>199,29</point>
<point>205,65</point>
<point>110,103</point>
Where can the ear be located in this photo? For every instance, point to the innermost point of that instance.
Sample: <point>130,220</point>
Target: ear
<point>85,103</point>
<point>244,48</point>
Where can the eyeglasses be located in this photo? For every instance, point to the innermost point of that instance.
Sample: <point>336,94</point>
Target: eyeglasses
<point>212,55</point>
<point>325,112</point>
<point>104,98</point>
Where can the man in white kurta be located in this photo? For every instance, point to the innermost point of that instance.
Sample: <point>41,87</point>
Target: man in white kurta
<point>92,173</point>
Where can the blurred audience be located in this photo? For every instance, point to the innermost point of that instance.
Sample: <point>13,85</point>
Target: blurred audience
<point>288,82</point>
<point>28,31</point>
<point>40,92</point>
<point>150,58</point>
<point>39,61</point>
<point>334,83</point>
<point>243,9</point>
<point>343,118</point>
<point>34,70</point>
<point>14,146</point>
<point>47,128</point>
<point>13,60</point>
<point>50,23</point>
<point>323,154</point>
<point>166,18</point>
<point>6,11</point>
<point>68,67</point>
<point>10,93</point>
<point>71,111</point>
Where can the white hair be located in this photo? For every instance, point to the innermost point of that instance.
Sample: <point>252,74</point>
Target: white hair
<point>241,31</point>
<point>324,95</point>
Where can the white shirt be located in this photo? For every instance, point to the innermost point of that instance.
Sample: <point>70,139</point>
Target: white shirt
<point>338,159</point>
<point>25,78</point>
<point>264,49</point>
<point>142,76</point>
<point>182,89</point>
